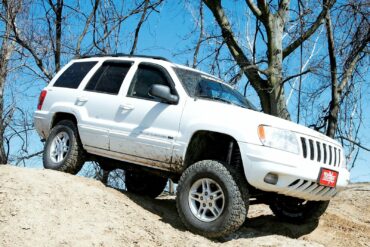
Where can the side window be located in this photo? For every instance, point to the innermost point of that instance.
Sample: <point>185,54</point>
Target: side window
<point>144,78</point>
<point>108,78</point>
<point>74,74</point>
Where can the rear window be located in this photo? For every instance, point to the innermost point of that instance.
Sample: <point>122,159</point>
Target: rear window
<point>74,74</point>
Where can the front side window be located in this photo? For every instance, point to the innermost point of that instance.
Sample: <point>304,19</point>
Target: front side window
<point>74,74</point>
<point>109,77</point>
<point>146,76</point>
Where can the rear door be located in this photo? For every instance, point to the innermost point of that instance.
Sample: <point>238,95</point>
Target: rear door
<point>64,89</point>
<point>145,127</point>
<point>99,102</point>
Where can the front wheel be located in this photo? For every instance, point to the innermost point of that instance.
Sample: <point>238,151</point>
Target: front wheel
<point>209,200</point>
<point>63,149</point>
<point>296,210</point>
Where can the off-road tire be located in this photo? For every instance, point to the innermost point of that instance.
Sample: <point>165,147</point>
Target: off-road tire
<point>75,157</point>
<point>145,184</point>
<point>297,211</point>
<point>234,211</point>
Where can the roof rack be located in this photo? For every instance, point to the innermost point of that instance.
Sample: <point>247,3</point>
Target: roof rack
<point>123,55</point>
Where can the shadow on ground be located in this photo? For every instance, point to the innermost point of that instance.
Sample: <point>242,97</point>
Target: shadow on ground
<point>263,225</point>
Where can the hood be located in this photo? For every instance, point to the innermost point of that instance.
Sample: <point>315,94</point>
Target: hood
<point>233,118</point>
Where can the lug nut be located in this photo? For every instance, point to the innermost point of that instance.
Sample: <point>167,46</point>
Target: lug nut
<point>204,205</point>
<point>206,193</point>
<point>210,204</point>
<point>201,198</point>
<point>211,197</point>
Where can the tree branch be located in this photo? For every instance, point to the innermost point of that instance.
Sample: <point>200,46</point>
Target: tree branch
<point>256,11</point>
<point>296,75</point>
<point>201,34</point>
<point>138,27</point>
<point>20,159</point>
<point>249,69</point>
<point>358,144</point>
<point>319,20</point>
<point>33,53</point>
<point>229,37</point>
<point>83,34</point>
<point>354,55</point>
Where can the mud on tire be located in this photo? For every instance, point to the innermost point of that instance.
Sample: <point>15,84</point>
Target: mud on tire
<point>199,204</point>
<point>63,150</point>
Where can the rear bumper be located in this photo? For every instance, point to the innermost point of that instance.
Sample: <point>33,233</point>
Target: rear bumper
<point>297,177</point>
<point>42,123</point>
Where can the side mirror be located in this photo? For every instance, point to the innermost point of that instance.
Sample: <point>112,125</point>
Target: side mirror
<point>164,93</point>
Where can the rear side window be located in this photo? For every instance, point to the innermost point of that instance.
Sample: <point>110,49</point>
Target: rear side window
<point>109,77</point>
<point>146,76</point>
<point>74,74</point>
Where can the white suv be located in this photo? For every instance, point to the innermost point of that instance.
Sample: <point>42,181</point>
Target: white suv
<point>159,120</point>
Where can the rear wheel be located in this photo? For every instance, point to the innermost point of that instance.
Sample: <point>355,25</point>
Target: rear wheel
<point>296,210</point>
<point>63,149</point>
<point>209,200</point>
<point>144,184</point>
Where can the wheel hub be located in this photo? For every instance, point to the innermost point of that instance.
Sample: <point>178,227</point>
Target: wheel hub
<point>206,200</point>
<point>59,147</point>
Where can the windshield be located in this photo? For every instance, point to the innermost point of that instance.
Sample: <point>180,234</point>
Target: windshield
<point>200,85</point>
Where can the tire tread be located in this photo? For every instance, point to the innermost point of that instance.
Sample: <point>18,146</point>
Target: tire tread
<point>238,211</point>
<point>76,158</point>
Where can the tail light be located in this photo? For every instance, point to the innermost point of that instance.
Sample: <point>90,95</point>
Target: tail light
<point>41,99</point>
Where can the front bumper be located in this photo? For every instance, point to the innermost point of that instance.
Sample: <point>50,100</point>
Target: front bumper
<point>297,176</point>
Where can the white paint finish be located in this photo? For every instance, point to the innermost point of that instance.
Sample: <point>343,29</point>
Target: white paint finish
<point>150,133</point>
<point>258,161</point>
<point>146,128</point>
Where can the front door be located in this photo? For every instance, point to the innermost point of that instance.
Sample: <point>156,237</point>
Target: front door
<point>146,128</point>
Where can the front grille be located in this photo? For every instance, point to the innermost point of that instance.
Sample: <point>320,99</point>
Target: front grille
<point>321,152</point>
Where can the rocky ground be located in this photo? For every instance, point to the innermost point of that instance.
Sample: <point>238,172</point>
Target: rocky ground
<point>48,208</point>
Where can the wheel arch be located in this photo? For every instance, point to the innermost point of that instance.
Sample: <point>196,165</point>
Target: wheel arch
<point>205,144</point>
<point>59,116</point>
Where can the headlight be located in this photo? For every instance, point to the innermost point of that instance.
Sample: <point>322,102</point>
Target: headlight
<point>278,138</point>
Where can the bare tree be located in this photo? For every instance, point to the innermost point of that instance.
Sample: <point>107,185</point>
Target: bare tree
<point>8,14</point>
<point>270,86</point>
<point>358,43</point>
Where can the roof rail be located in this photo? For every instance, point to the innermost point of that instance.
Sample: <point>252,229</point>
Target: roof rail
<point>123,55</point>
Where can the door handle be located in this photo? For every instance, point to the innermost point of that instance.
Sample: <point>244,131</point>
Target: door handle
<point>126,107</point>
<point>82,99</point>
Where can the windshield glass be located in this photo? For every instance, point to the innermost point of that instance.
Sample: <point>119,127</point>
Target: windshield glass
<point>200,85</point>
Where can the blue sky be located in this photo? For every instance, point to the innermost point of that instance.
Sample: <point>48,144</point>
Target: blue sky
<point>167,34</point>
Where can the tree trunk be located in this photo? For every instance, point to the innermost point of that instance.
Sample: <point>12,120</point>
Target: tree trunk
<point>270,91</point>
<point>58,32</point>
<point>249,69</point>
<point>334,104</point>
<point>6,50</point>
<point>360,41</point>
<point>275,57</point>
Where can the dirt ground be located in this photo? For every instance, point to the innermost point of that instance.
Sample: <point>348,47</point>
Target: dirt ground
<point>48,208</point>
